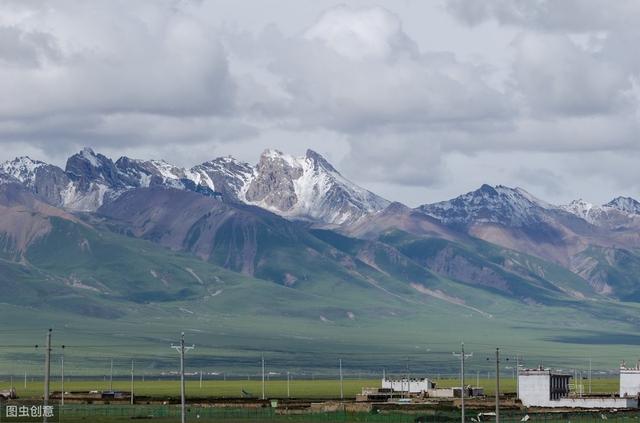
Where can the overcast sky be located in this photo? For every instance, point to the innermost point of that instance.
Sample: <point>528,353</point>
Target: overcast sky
<point>418,101</point>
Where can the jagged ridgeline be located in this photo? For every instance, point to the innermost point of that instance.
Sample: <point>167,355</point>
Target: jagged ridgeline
<point>289,256</point>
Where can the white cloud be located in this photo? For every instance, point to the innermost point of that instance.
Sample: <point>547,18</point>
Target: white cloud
<point>362,33</point>
<point>557,77</point>
<point>356,70</point>
<point>93,67</point>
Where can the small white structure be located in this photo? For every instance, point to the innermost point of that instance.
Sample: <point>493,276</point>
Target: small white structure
<point>542,388</point>
<point>629,381</point>
<point>411,385</point>
<point>538,387</point>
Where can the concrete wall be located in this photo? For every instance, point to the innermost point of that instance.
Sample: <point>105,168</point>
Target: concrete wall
<point>454,392</point>
<point>629,383</point>
<point>442,393</point>
<point>534,387</point>
<point>611,402</point>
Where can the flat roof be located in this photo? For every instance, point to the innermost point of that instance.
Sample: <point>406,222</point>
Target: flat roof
<point>539,372</point>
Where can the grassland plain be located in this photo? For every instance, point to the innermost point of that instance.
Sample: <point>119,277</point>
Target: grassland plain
<point>299,388</point>
<point>232,342</point>
<point>371,324</point>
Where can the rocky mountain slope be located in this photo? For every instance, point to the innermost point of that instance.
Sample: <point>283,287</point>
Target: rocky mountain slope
<point>593,242</point>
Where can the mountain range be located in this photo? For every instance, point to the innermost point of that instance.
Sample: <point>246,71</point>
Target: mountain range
<point>293,241</point>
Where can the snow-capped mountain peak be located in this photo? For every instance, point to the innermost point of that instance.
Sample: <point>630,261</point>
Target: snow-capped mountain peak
<point>225,175</point>
<point>499,204</point>
<point>87,166</point>
<point>625,204</point>
<point>89,155</point>
<point>308,187</point>
<point>22,168</point>
<point>613,211</point>
<point>318,160</point>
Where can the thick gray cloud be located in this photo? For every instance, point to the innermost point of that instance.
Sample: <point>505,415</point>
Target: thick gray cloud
<point>418,100</point>
<point>556,77</point>
<point>562,16</point>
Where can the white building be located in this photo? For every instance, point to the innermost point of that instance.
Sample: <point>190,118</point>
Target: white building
<point>629,381</point>
<point>542,388</point>
<point>411,385</point>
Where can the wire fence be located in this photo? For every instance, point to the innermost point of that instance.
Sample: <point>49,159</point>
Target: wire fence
<point>267,414</point>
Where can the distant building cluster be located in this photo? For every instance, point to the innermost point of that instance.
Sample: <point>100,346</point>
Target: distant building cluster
<point>538,387</point>
<point>399,388</point>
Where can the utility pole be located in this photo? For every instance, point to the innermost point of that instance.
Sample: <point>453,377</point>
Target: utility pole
<point>517,376</point>
<point>462,356</point>
<point>25,379</point>
<point>341,384</point>
<point>62,377</point>
<point>181,350</point>
<point>263,397</point>
<point>200,379</point>
<point>47,371</point>
<point>111,376</point>
<point>288,385</point>
<point>408,380</point>
<point>131,382</point>
<point>497,385</point>
<point>589,375</point>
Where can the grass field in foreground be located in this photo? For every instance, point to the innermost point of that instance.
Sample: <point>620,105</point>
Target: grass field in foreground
<point>273,388</point>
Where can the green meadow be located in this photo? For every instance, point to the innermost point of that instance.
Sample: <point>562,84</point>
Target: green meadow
<point>307,388</point>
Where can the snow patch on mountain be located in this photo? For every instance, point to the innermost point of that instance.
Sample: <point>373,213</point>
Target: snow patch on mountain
<point>7,179</point>
<point>89,155</point>
<point>585,210</point>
